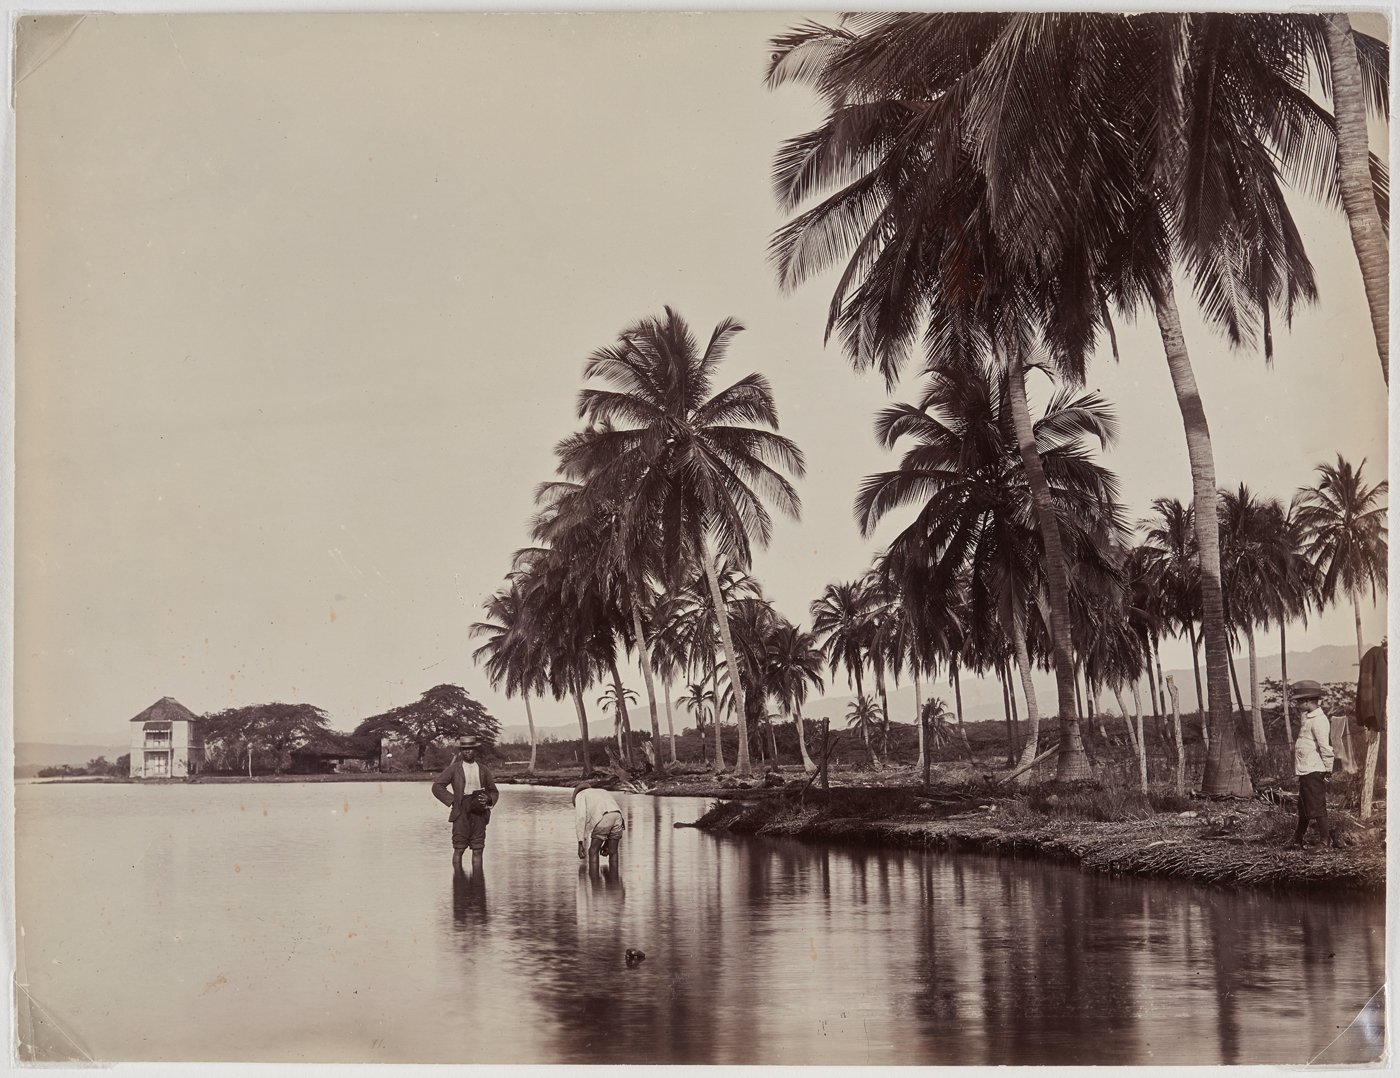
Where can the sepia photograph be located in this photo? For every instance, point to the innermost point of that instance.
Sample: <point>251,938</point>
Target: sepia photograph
<point>713,538</point>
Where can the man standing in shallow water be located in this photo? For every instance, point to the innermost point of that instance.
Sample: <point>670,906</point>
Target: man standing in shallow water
<point>467,787</point>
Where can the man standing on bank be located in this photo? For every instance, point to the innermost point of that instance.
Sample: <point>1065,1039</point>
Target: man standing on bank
<point>598,823</point>
<point>466,785</point>
<point>1312,761</point>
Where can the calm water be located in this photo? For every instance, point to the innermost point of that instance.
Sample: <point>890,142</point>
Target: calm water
<point>323,922</point>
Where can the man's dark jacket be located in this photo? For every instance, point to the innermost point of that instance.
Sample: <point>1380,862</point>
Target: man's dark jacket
<point>453,776</point>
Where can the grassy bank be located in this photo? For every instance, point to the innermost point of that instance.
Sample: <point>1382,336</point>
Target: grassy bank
<point>1104,830</point>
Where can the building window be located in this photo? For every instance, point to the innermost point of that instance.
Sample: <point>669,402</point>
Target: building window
<point>157,764</point>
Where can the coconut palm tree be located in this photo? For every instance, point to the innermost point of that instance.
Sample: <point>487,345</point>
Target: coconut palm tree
<point>510,655</point>
<point>863,714</point>
<point>686,621</point>
<point>587,521</point>
<point>573,625</point>
<point>1342,520</point>
<point>842,625</point>
<point>965,472</point>
<point>794,663</point>
<point>1170,553</point>
<point>700,702</point>
<point>1250,532</point>
<point>695,464</point>
<point>1290,590</point>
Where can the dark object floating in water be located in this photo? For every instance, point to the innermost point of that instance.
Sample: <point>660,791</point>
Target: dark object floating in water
<point>634,957</point>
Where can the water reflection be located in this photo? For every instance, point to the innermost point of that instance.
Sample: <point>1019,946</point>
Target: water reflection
<point>324,925</point>
<point>469,897</point>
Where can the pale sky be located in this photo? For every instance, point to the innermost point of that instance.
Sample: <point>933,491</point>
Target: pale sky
<point>303,304</point>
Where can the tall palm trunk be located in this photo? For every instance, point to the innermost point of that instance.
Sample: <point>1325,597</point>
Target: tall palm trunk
<point>1072,762</point>
<point>1031,749</point>
<point>1201,711</point>
<point>1283,673</point>
<point>957,705</point>
<point>621,726</point>
<point>1196,665</point>
<point>1127,720</point>
<point>1152,685</point>
<point>1006,706</point>
<point>1354,178</point>
<point>714,720</point>
<point>1225,771</point>
<point>530,721</point>
<point>807,764</point>
<point>736,682</point>
<point>918,717</point>
<point>1360,646</point>
<point>1141,737</point>
<point>1256,715</point>
<point>670,722</point>
<point>644,657</point>
<point>1235,680</point>
<point>582,729</point>
<point>884,710</point>
<point>1156,642</point>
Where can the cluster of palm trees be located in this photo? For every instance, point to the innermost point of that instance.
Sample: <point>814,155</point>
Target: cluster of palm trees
<point>996,183</point>
<point>643,539</point>
<point>995,186</point>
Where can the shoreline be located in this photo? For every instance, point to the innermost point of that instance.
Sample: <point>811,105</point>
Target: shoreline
<point>1216,845</point>
<point>1222,843</point>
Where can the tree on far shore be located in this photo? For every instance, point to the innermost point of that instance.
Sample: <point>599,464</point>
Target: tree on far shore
<point>442,713</point>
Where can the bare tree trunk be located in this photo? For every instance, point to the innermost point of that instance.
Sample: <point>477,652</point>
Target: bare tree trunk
<point>1360,647</point>
<point>1176,731</point>
<point>1225,771</point>
<point>582,730</point>
<point>670,723</point>
<point>530,721</point>
<point>736,681</point>
<point>1354,178</point>
<point>644,658</point>
<point>1072,762</point>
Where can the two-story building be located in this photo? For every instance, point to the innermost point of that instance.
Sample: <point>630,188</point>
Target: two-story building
<point>166,741</point>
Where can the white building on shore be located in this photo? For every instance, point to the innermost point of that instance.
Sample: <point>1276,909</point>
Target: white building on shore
<point>166,741</point>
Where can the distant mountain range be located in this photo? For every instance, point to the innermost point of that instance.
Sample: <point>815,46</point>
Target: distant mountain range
<point>981,702</point>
